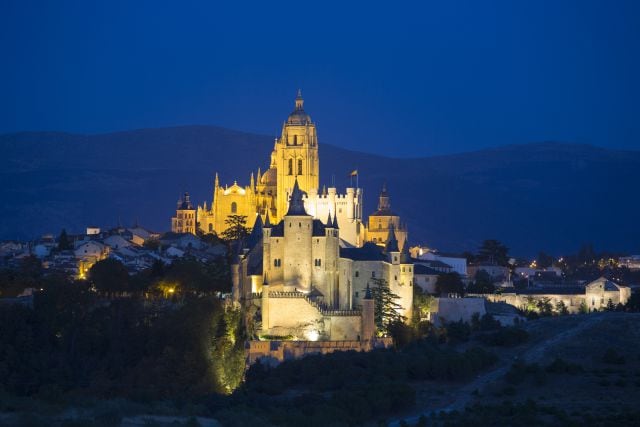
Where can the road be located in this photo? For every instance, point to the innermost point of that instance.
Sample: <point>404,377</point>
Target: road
<point>529,354</point>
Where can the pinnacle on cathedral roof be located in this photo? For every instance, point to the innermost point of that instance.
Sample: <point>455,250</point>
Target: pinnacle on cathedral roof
<point>267,222</point>
<point>335,221</point>
<point>296,204</point>
<point>329,223</point>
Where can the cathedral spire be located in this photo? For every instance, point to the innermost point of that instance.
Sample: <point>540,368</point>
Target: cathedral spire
<point>383,203</point>
<point>299,101</point>
<point>216,183</point>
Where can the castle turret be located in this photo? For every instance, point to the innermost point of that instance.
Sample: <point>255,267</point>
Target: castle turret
<point>297,244</point>
<point>368,326</point>
<point>264,308</point>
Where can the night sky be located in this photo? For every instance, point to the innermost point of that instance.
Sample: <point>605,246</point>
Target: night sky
<point>403,79</point>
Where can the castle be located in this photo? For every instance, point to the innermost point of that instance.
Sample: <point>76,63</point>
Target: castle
<point>301,284</point>
<point>305,273</point>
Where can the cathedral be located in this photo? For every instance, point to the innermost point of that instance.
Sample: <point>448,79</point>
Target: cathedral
<point>294,159</point>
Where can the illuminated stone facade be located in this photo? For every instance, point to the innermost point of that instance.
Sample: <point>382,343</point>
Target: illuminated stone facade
<point>383,220</point>
<point>185,219</point>
<point>306,287</point>
<point>294,158</point>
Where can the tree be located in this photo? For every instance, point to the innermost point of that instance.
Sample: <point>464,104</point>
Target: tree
<point>583,308</point>
<point>236,228</point>
<point>386,308</point>
<point>482,284</point>
<point>109,276</point>
<point>633,303</point>
<point>610,305</point>
<point>493,252</point>
<point>586,254</point>
<point>64,243</point>
<point>544,306</point>
<point>449,283</point>
<point>544,260</point>
<point>561,307</point>
<point>421,304</point>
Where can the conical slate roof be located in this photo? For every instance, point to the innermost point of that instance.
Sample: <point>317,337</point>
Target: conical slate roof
<point>256,234</point>
<point>392,242</point>
<point>296,204</point>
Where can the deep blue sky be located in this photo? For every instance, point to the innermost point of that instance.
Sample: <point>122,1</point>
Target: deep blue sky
<point>396,78</point>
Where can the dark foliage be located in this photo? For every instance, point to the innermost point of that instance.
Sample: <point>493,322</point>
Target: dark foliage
<point>74,341</point>
<point>350,387</point>
<point>449,283</point>
<point>509,336</point>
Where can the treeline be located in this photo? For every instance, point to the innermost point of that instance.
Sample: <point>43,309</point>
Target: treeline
<point>73,342</point>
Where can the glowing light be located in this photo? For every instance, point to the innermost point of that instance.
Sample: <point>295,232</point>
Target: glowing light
<point>313,335</point>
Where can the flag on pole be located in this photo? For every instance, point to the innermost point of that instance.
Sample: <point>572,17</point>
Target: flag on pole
<point>353,173</point>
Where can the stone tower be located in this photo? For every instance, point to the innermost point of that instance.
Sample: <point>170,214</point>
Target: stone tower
<point>383,220</point>
<point>298,230</point>
<point>185,219</point>
<point>296,156</point>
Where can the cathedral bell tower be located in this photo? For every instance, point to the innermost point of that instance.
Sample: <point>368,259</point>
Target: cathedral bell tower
<point>296,155</point>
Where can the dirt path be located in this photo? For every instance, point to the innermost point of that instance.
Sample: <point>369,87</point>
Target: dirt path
<point>529,354</point>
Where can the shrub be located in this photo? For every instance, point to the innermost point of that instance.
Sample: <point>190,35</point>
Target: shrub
<point>505,337</point>
<point>559,366</point>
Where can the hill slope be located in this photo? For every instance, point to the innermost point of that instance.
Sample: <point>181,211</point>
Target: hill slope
<point>538,196</point>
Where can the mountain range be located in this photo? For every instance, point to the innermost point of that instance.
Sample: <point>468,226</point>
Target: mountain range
<point>540,196</point>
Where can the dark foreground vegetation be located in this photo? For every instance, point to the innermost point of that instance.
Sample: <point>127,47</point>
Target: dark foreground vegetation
<point>164,341</point>
<point>528,413</point>
<point>347,388</point>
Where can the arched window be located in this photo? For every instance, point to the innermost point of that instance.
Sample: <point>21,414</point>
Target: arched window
<point>299,166</point>
<point>210,228</point>
<point>295,139</point>
<point>290,166</point>
<point>234,207</point>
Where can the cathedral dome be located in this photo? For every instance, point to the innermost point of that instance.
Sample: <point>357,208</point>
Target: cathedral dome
<point>270,177</point>
<point>298,116</point>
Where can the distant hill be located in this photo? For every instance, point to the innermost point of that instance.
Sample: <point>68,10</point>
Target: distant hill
<point>548,196</point>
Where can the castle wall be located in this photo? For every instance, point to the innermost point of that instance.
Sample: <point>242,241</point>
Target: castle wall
<point>292,316</point>
<point>446,310</point>
<point>274,352</point>
<point>343,327</point>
